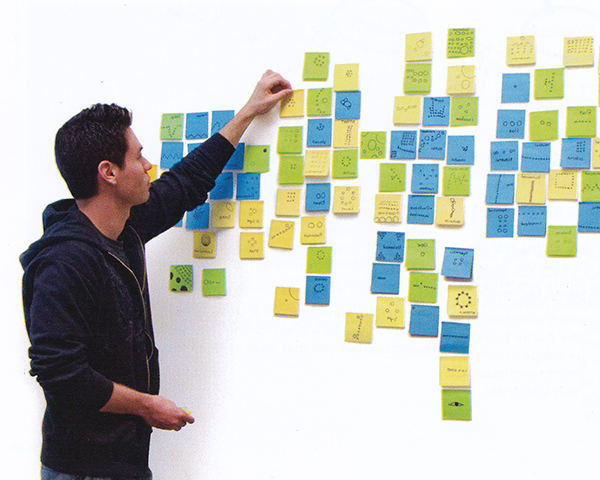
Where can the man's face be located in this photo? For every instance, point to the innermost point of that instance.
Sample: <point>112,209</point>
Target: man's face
<point>133,186</point>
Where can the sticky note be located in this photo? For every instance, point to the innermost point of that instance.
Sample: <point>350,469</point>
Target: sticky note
<point>576,153</point>
<point>424,320</point>
<point>581,122</point>
<point>318,290</point>
<point>248,186</point>
<point>462,301</point>
<point>500,189</point>
<point>464,111</point>
<point>198,218</point>
<point>516,87</point>
<point>346,200</point>
<point>500,222</point>
<point>455,337</point>
<point>213,282</point>
<point>318,260</point>
<point>251,214</point>
<point>223,214</point>
<point>417,78</point>
<point>223,189</point>
<point>461,43</point>
<point>319,132</point>
<point>531,221</point>
<point>287,203</point>
<point>153,172</point>
<point>388,208</point>
<point>450,211</point>
<point>454,372</point>
<point>252,245</point>
<point>420,254</point>
<point>196,125</point>
<point>535,157</point>
<point>170,154</point>
<point>316,163</point>
<point>385,278</point>
<point>219,119</point>
<point>289,140</point>
<point>359,327</point>
<point>456,405</point>
<point>292,106</point>
<point>432,144</point>
<point>561,241</point>
<point>407,110</point>
<point>390,247</point>
<point>204,244</point>
<point>372,145</point>
<point>281,234</point>
<point>171,126</point>
<point>345,77</point>
<point>461,80</point>
<point>543,126</point>
<point>345,134</point>
<point>562,185</point>
<point>312,230</point>
<point>596,153</point>
<point>589,217</point>
<point>578,52</point>
<point>548,83</point>
<point>590,186</point>
<point>287,301</point>
<point>344,164</point>
<point>347,105</point>
<point>389,312</point>
<point>422,287</point>
<point>403,144</point>
<point>504,156</point>
<point>319,102</point>
<point>420,209</point>
<point>316,66</point>
<point>318,197</point>
<point>181,278</point>
<point>291,170</point>
<point>458,262</point>
<point>418,47</point>
<point>531,188</point>
<point>236,161</point>
<point>425,178</point>
<point>460,150</point>
<point>392,177</point>
<point>456,181</point>
<point>436,111</point>
<point>511,124</point>
<point>520,50</point>
<point>256,159</point>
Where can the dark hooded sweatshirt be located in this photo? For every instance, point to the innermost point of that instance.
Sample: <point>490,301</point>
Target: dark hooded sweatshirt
<point>87,313</point>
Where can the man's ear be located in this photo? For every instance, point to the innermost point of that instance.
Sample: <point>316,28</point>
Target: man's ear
<point>107,172</point>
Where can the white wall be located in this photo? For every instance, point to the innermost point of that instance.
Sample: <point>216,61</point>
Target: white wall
<point>287,398</point>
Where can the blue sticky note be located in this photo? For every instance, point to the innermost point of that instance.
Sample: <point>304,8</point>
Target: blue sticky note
<point>535,157</point>
<point>347,105</point>
<point>219,119</point>
<point>390,247</point>
<point>436,111</point>
<point>223,188</point>
<point>385,278</point>
<point>432,144</point>
<point>196,125</point>
<point>458,262</point>
<point>421,209</point>
<point>500,222</point>
<point>170,154</point>
<point>403,145</point>
<point>461,150</point>
<point>236,162</point>
<point>425,178</point>
<point>318,132</point>
<point>589,217</point>
<point>193,146</point>
<point>531,221</point>
<point>424,320</point>
<point>576,153</point>
<point>318,197</point>
<point>500,189</point>
<point>318,290</point>
<point>248,186</point>
<point>511,124</point>
<point>198,218</point>
<point>455,337</point>
<point>504,156</point>
<point>515,87</point>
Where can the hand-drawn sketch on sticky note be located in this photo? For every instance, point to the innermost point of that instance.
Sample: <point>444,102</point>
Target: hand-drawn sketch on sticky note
<point>170,154</point>
<point>456,181</point>
<point>460,150</point>
<point>345,163</point>
<point>252,245</point>
<point>403,145</point>
<point>318,290</point>
<point>346,199</point>
<point>392,177</point>
<point>316,163</point>
<point>458,263</point>
<point>576,153</point>
<point>388,208</point>
<point>450,211</point>
<point>198,218</point>
<point>287,203</point>
<point>359,328</point>
<point>181,278</point>
<point>390,247</point>
<point>531,221</point>
<point>319,132</point>
<point>171,126</point>
<point>504,156</point>
<point>417,78</point>
<point>345,77</point>
<point>289,140</point>
<point>219,119</point>
<point>456,405</point>
<point>425,178</point>
<point>256,159</point>
<point>312,230</point>
<point>345,134</point>
<point>432,144</point>
<point>531,188</point>
<point>500,189</point>
<point>515,87</point>
<point>543,126</point>
<point>462,301</point>
<point>385,278</point>
<point>455,337</point>
<point>213,282</point>
<point>589,217</point>
<point>281,234</point>
<point>407,110</point>
<point>319,102</point>
<point>418,47</point>
<point>316,66</point>
<point>205,244</point>
<point>461,43</point>
<point>196,125</point>
<point>590,186</point>
<point>420,254</point>
<point>347,105</point>
<point>581,122</point>
<point>291,170</point>
<point>372,145</point>
<point>548,83</point>
<point>223,214</point>
<point>464,111</point>
<point>318,197</point>
<point>535,157</point>
<point>318,260</point>
<point>248,186</point>
<point>561,241</point>
<point>251,214</point>
<point>461,80</point>
<point>223,189</point>
<point>389,312</point>
<point>420,209</point>
<point>578,52</point>
<point>520,50</point>
<point>287,301</point>
<point>510,124</point>
<point>500,222</point>
<point>562,185</point>
<point>422,287</point>
<point>292,106</point>
<point>436,111</point>
<point>454,372</point>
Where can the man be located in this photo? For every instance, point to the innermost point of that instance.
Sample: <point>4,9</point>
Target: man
<point>85,291</point>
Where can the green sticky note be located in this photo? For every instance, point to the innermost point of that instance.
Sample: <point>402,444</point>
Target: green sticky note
<point>213,282</point>
<point>581,122</point>
<point>256,159</point>
<point>318,102</point>
<point>316,66</point>
<point>181,278</point>
<point>590,186</point>
<point>372,145</point>
<point>291,170</point>
<point>345,164</point>
<point>422,287</point>
<point>561,242</point>
<point>392,177</point>
<point>543,126</point>
<point>171,126</point>
<point>456,181</point>
<point>456,404</point>
<point>289,140</point>
<point>548,83</point>
<point>318,260</point>
<point>461,43</point>
<point>420,254</point>
<point>464,111</point>
<point>417,78</point>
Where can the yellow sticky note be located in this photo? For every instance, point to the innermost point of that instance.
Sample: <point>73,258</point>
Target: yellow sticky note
<point>287,301</point>
<point>562,185</point>
<point>418,47</point>
<point>407,110</point>
<point>520,50</point>
<point>222,215</point>
<point>346,199</point>
<point>316,162</point>
<point>251,214</point>
<point>252,245</point>
<point>388,208</point>
<point>461,80</point>
<point>454,372</point>
<point>462,301</point>
<point>345,77</point>
<point>390,312</point>
<point>578,52</point>
<point>287,203</point>
<point>449,211</point>
<point>531,189</point>
<point>596,153</point>
<point>205,244</point>
<point>292,106</point>
<point>345,134</point>
<point>359,327</point>
<point>281,234</point>
<point>153,172</point>
<point>312,230</point>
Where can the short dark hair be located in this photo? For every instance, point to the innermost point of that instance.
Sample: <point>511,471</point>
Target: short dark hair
<point>93,135</point>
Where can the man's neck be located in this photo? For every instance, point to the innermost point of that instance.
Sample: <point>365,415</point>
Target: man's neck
<point>107,216</point>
